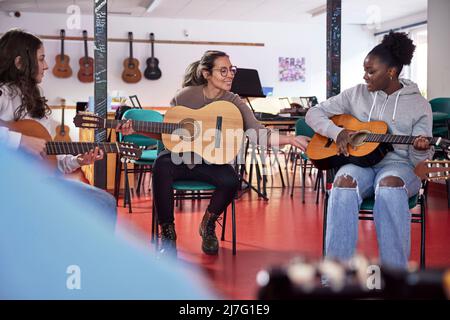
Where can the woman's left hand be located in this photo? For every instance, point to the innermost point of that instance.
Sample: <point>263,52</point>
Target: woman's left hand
<point>421,143</point>
<point>300,142</point>
<point>90,157</point>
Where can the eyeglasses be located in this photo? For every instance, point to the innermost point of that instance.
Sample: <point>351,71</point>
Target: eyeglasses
<point>224,70</point>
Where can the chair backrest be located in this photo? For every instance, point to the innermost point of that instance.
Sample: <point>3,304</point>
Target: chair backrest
<point>440,105</point>
<point>301,128</point>
<point>142,115</point>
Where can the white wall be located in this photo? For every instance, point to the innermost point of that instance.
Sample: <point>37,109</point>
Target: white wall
<point>304,39</point>
<point>438,49</point>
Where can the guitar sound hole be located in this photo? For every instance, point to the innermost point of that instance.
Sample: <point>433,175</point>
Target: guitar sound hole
<point>189,131</point>
<point>359,138</point>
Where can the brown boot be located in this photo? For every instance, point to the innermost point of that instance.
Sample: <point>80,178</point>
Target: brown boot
<point>207,230</point>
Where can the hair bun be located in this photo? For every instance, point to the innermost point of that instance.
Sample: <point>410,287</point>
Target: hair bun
<point>400,46</point>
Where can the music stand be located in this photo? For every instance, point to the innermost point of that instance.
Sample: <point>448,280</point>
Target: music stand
<point>135,102</point>
<point>246,83</point>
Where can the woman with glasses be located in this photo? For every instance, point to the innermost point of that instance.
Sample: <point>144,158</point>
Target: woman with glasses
<point>205,81</point>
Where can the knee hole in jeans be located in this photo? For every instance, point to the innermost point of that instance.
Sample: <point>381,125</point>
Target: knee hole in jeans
<point>391,181</point>
<point>345,181</point>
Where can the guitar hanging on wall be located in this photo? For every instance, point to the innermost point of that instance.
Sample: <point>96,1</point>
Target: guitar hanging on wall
<point>86,72</point>
<point>62,131</point>
<point>62,67</point>
<point>131,72</point>
<point>152,72</point>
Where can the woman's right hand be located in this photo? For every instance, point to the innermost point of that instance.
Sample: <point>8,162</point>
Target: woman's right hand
<point>33,145</point>
<point>125,128</point>
<point>342,141</point>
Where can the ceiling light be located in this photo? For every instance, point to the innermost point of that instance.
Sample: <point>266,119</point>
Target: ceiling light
<point>152,6</point>
<point>318,11</point>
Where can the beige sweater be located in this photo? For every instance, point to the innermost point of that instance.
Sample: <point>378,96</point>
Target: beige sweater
<point>193,97</point>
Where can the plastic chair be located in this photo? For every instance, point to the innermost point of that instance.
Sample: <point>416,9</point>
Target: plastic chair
<point>441,116</point>
<point>366,213</point>
<point>441,128</point>
<point>200,190</point>
<point>145,163</point>
<point>300,158</point>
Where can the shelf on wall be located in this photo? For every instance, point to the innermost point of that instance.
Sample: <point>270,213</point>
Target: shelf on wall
<point>216,43</point>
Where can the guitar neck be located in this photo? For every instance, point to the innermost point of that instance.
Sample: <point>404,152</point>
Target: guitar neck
<point>62,49</point>
<point>131,50</point>
<point>75,148</point>
<point>85,50</point>
<point>62,117</point>
<point>146,126</point>
<point>395,139</point>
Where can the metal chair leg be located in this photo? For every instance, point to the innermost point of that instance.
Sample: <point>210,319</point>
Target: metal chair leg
<point>233,225</point>
<point>224,223</point>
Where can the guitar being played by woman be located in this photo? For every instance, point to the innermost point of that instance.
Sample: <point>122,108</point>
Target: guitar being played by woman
<point>398,103</point>
<point>206,81</point>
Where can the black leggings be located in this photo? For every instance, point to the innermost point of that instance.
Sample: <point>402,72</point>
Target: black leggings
<point>165,172</point>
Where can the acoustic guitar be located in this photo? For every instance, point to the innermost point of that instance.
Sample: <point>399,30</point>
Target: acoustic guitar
<point>127,151</point>
<point>367,147</point>
<point>62,67</point>
<point>131,72</point>
<point>62,131</point>
<point>214,132</point>
<point>152,72</point>
<point>86,72</point>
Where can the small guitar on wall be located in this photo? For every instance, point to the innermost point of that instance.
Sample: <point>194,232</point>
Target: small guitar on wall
<point>62,67</point>
<point>131,72</point>
<point>62,131</point>
<point>86,72</point>
<point>152,72</point>
<point>368,146</point>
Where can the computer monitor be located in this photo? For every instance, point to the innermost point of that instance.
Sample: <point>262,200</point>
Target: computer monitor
<point>246,83</point>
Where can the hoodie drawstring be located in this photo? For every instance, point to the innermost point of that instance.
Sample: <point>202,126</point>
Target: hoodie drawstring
<point>395,106</point>
<point>383,107</point>
<point>373,105</point>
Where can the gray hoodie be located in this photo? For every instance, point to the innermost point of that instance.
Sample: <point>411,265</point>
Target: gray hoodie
<point>405,111</point>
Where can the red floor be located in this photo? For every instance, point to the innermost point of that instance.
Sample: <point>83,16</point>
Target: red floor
<point>273,232</point>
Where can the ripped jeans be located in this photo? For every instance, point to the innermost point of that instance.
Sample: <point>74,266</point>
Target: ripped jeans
<point>391,212</point>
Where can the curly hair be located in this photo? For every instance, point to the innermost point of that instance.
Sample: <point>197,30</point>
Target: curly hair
<point>22,81</point>
<point>395,50</point>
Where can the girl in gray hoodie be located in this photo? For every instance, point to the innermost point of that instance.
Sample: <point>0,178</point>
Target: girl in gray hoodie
<point>399,103</point>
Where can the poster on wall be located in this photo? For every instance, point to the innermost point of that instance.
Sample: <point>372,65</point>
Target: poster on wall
<point>291,69</point>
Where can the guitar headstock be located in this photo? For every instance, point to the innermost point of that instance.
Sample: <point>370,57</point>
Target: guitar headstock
<point>129,152</point>
<point>433,170</point>
<point>152,36</point>
<point>88,120</point>
<point>62,34</point>
<point>85,35</point>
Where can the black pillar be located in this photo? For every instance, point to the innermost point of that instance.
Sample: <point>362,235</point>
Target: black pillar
<point>333,47</point>
<point>100,86</point>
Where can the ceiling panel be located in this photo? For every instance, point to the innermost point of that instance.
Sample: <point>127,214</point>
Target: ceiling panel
<point>354,11</point>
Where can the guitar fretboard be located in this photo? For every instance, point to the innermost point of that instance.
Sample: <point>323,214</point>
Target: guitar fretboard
<point>146,126</point>
<point>395,139</point>
<point>75,148</point>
